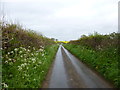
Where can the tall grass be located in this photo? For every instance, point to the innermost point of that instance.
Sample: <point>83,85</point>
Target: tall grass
<point>26,57</point>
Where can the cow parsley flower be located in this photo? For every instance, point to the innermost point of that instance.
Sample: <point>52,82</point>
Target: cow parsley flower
<point>20,52</point>
<point>8,53</point>
<point>28,50</point>
<point>21,56</point>
<point>43,54</point>
<point>10,59</point>
<point>4,85</point>
<point>42,71</point>
<point>6,61</point>
<point>15,49</point>
<point>12,52</point>
<point>40,62</point>
<point>19,68</point>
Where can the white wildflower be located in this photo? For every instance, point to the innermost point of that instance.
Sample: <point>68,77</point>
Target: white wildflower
<point>6,61</point>
<point>25,64</point>
<point>20,52</point>
<point>12,52</point>
<point>21,47</point>
<point>41,50</point>
<point>5,42</point>
<point>40,62</point>
<point>21,56</point>
<point>15,49</point>
<point>10,59</point>
<point>42,47</point>
<point>42,71</point>
<point>4,85</point>
<point>33,59</point>
<point>28,50</point>
<point>25,74</point>
<point>25,49</point>
<point>43,54</point>
<point>25,59</point>
<point>19,68</point>
<point>8,52</point>
<point>33,48</point>
<point>25,55</point>
<point>27,68</point>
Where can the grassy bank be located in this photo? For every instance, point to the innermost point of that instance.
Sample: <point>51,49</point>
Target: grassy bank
<point>103,57</point>
<point>26,57</point>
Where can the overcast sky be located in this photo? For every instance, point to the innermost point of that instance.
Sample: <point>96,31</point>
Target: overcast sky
<point>64,19</point>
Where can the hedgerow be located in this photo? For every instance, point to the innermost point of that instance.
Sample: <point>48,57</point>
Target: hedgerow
<point>26,57</point>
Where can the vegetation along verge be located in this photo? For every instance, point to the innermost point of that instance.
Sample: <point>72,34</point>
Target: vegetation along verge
<point>26,57</point>
<point>100,52</point>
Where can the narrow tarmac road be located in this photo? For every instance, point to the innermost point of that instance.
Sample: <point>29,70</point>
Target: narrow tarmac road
<point>69,72</point>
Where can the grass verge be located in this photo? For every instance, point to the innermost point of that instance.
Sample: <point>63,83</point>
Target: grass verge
<point>104,61</point>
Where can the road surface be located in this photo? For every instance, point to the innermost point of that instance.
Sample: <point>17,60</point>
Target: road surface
<point>69,72</point>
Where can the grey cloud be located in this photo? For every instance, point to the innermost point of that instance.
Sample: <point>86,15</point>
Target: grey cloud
<point>49,17</point>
